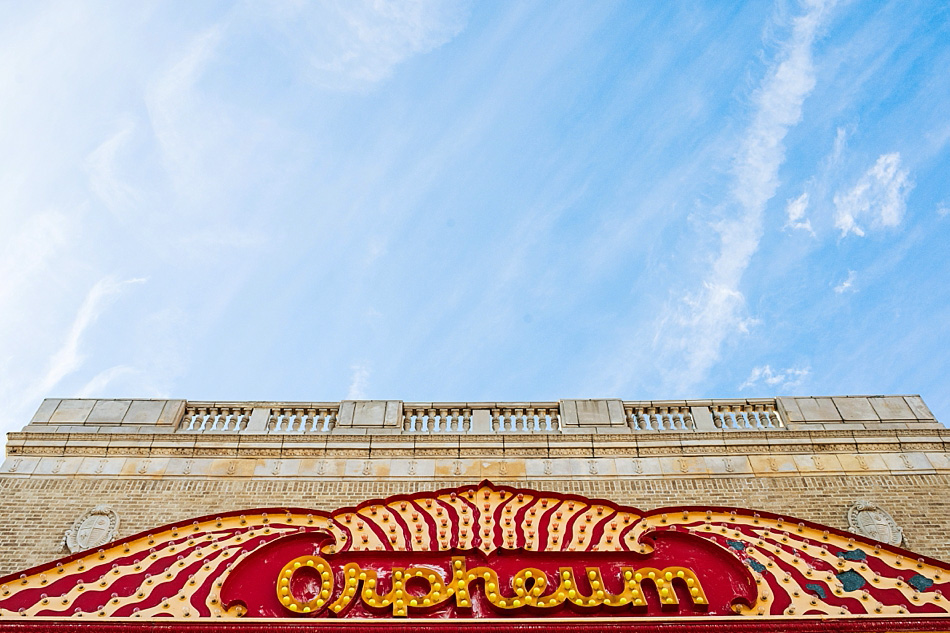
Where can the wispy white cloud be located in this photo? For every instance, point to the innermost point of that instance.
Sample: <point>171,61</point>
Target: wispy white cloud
<point>68,358</point>
<point>359,381</point>
<point>880,196</point>
<point>795,212</point>
<point>841,143</point>
<point>847,284</point>
<point>182,130</point>
<point>103,379</point>
<point>784,378</point>
<point>101,168</point>
<point>715,312</point>
<point>352,45</point>
<point>943,209</point>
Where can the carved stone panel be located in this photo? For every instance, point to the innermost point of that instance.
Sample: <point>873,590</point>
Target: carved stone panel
<point>93,528</point>
<point>869,520</point>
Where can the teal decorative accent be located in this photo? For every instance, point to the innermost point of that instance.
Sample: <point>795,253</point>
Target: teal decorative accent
<point>851,580</point>
<point>920,582</point>
<point>739,546</point>
<point>818,589</point>
<point>756,565</point>
<point>855,554</point>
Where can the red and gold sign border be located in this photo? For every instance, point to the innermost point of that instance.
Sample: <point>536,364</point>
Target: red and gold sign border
<point>802,570</point>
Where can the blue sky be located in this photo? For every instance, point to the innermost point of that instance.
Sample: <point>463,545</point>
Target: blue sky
<point>473,201</point>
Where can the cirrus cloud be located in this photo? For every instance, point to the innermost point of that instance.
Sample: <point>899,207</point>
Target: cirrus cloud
<point>879,197</point>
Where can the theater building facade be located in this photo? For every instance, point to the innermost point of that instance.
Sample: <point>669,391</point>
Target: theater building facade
<point>781,514</point>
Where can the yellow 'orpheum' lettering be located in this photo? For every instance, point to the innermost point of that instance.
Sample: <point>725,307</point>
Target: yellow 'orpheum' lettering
<point>529,587</point>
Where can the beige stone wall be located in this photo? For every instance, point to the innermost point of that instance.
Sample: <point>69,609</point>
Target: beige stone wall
<point>158,462</point>
<point>37,511</point>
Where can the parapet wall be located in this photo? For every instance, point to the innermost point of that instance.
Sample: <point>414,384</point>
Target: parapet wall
<point>157,461</point>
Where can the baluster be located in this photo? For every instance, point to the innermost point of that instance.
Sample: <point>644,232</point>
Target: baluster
<point>765,420</point>
<point>649,422</point>
<point>688,423</point>
<point>739,416</point>
<point>746,415</point>
<point>728,418</point>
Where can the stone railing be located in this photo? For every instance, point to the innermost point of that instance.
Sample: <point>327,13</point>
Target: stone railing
<point>297,418</point>
<point>647,417</point>
<point>269,417</point>
<point>565,417</point>
<point>209,417</point>
<point>533,417</point>
<point>436,418</point>
<point>754,416</point>
<point>509,418</point>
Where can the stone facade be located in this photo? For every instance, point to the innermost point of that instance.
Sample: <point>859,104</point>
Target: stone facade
<point>159,461</point>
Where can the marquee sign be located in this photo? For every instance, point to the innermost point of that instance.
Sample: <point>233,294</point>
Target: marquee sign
<point>488,553</point>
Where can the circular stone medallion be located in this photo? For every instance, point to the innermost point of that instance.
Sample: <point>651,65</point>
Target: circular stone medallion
<point>93,528</point>
<point>873,522</point>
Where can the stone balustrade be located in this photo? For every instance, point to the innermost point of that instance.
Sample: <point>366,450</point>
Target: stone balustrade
<point>393,439</point>
<point>566,417</point>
